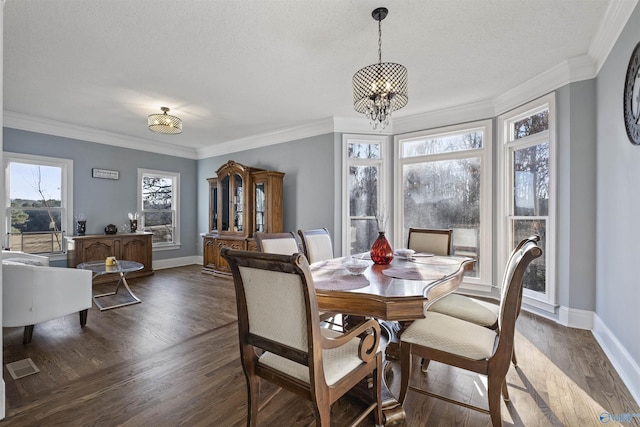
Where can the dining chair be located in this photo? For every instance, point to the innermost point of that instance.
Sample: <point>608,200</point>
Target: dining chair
<point>277,243</point>
<point>316,244</point>
<point>475,310</point>
<point>430,240</point>
<point>286,244</point>
<point>465,345</point>
<point>298,355</point>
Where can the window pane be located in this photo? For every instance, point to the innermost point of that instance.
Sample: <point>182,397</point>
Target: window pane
<point>442,144</point>
<point>535,276</point>
<point>531,181</point>
<point>160,223</point>
<point>531,125</point>
<point>363,232</point>
<point>157,193</point>
<point>363,190</point>
<point>445,194</point>
<point>363,151</point>
<point>30,182</point>
<point>35,195</point>
<point>35,230</point>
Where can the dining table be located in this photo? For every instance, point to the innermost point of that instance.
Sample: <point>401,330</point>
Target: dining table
<point>394,294</point>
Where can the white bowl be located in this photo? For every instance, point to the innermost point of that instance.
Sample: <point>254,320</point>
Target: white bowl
<point>356,266</point>
<point>405,253</point>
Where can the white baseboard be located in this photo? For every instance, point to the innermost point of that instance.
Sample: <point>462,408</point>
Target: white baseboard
<point>574,318</point>
<point>622,361</point>
<point>176,262</point>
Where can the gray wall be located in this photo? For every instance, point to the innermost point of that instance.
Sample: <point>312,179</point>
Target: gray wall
<point>309,181</point>
<point>618,190</point>
<point>108,201</point>
<point>576,157</point>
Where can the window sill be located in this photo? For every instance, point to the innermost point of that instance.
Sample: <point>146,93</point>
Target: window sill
<point>166,247</point>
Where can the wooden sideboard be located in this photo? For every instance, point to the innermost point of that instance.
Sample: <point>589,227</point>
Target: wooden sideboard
<point>124,246</point>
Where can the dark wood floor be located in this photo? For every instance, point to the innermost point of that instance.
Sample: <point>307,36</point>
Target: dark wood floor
<point>173,360</point>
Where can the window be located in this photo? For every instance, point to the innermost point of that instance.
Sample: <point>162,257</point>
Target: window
<point>527,176</point>
<point>443,180</point>
<point>158,197</point>
<point>364,193</point>
<point>39,198</point>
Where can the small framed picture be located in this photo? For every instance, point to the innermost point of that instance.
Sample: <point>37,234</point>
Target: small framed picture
<point>105,173</point>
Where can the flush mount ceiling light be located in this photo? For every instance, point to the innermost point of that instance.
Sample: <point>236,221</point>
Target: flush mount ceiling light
<point>381,88</point>
<point>164,123</point>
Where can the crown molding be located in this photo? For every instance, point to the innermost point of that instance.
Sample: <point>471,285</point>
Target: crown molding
<point>360,125</point>
<point>306,130</point>
<point>448,116</point>
<point>26,122</point>
<point>537,86</point>
<point>615,18</point>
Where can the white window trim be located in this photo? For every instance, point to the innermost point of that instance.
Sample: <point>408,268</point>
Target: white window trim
<point>66,192</point>
<point>548,300</point>
<point>175,176</point>
<point>383,184</point>
<point>483,282</point>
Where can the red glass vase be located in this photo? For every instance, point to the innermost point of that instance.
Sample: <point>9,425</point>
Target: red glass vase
<point>381,251</point>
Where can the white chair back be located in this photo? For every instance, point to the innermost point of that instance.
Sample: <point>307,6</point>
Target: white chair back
<point>437,242</point>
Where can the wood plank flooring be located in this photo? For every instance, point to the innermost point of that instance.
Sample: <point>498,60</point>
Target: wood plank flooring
<point>173,361</point>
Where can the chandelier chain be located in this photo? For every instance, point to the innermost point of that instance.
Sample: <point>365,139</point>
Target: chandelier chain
<point>380,41</point>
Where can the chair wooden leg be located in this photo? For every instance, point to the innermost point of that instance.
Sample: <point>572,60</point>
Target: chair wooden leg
<point>253,396</point>
<point>505,391</point>
<point>377,385</point>
<point>28,333</point>
<point>323,415</point>
<point>493,394</point>
<point>83,317</point>
<point>405,369</point>
<point>424,365</point>
<point>513,357</point>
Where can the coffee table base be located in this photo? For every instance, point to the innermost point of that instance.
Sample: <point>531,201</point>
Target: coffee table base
<point>122,280</point>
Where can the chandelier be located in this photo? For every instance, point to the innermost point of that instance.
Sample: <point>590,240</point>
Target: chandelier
<point>164,123</point>
<point>381,88</point>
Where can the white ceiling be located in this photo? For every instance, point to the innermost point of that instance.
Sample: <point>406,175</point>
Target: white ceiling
<point>240,70</point>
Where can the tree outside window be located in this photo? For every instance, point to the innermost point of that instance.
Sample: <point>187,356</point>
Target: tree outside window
<point>364,160</point>
<point>443,183</point>
<point>159,201</point>
<point>36,206</point>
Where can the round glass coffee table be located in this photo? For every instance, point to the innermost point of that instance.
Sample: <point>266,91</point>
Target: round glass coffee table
<point>98,268</point>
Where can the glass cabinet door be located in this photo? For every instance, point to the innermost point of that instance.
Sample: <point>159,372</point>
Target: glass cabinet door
<point>260,207</point>
<point>225,203</point>
<point>238,202</point>
<point>213,206</point>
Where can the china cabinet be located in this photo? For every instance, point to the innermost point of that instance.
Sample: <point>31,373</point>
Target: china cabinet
<point>243,200</point>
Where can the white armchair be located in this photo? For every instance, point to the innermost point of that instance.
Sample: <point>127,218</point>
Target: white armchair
<point>33,292</point>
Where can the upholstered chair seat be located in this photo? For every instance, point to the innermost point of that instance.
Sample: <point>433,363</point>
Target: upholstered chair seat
<point>337,362</point>
<point>473,310</point>
<point>451,335</point>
